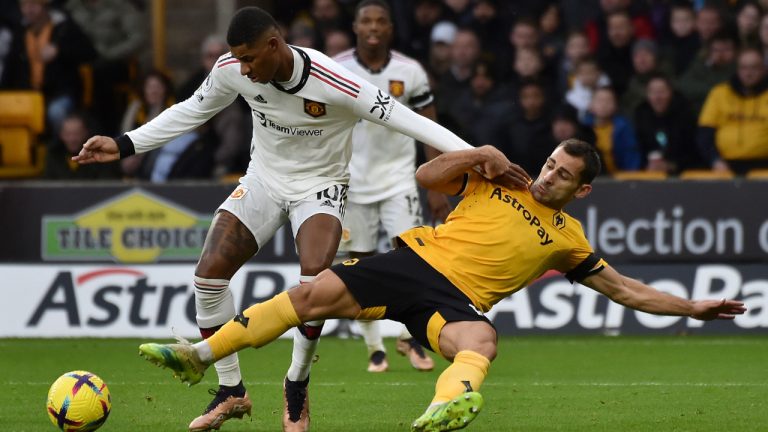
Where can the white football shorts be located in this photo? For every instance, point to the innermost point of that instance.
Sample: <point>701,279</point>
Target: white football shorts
<point>262,215</point>
<point>361,221</point>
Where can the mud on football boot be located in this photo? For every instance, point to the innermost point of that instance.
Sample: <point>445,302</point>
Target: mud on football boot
<point>378,362</point>
<point>296,410</point>
<point>415,353</point>
<point>452,415</point>
<point>181,358</point>
<point>228,402</point>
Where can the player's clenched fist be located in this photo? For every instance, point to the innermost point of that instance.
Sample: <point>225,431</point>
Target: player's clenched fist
<point>98,149</point>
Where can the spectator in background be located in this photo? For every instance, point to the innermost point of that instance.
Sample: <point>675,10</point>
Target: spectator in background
<point>528,140</point>
<point>587,78</point>
<point>576,49</point>
<point>748,23</point>
<point>47,54</point>
<point>441,40</point>
<point>481,112</point>
<point>155,95</point>
<point>615,55</point>
<point>665,125</point>
<point>683,43</point>
<point>763,33</point>
<point>709,22</point>
<point>75,130</point>
<point>597,29</point>
<point>705,73</point>
<point>117,31</point>
<point>489,27</point>
<point>229,129</point>
<point>185,157</point>
<point>414,33</point>
<point>459,11</point>
<point>465,52</point>
<point>733,125</point>
<point>328,15</point>
<point>528,66</point>
<point>336,41</point>
<point>523,35</point>
<point>645,61</point>
<point>552,32</point>
<point>302,34</point>
<point>565,125</point>
<point>616,140</point>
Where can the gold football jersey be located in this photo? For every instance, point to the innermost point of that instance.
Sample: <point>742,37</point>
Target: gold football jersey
<point>498,241</point>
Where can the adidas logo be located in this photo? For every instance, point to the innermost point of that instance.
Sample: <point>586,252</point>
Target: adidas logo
<point>327,203</point>
<point>260,99</point>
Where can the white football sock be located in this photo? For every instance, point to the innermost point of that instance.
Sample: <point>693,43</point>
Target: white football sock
<point>303,348</point>
<point>372,336</point>
<point>215,306</point>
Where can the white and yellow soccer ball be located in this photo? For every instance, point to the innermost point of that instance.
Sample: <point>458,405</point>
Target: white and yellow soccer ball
<point>78,401</point>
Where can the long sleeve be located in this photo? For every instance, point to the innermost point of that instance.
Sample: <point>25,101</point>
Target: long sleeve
<point>381,108</point>
<point>212,96</point>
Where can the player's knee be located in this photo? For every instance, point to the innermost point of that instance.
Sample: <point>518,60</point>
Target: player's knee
<point>487,349</point>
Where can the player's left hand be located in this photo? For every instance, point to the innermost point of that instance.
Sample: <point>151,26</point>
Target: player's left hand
<point>439,206</point>
<point>708,310</point>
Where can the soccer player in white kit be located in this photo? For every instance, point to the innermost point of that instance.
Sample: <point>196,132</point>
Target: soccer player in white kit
<point>382,186</point>
<point>304,106</point>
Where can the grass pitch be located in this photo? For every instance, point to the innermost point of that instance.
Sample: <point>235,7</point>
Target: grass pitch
<point>548,383</point>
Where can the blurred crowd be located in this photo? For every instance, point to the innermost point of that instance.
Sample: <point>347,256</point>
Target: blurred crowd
<point>655,85</point>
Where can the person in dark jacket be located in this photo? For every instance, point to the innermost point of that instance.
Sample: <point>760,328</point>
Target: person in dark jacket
<point>45,56</point>
<point>75,130</point>
<point>665,124</point>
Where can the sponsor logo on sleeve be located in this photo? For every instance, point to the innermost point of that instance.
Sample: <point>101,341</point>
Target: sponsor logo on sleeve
<point>383,105</point>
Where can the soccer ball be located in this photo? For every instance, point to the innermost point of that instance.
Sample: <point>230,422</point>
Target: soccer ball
<point>78,401</point>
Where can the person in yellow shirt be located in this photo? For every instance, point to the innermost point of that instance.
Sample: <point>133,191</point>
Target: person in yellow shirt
<point>733,124</point>
<point>504,234</point>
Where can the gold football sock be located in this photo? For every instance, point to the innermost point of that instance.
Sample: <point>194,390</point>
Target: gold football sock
<point>467,373</point>
<point>256,326</point>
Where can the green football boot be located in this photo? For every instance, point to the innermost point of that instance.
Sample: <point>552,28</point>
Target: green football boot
<point>181,358</point>
<point>452,415</point>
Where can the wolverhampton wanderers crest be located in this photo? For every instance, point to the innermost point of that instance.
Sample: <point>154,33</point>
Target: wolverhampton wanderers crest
<point>558,220</point>
<point>315,109</point>
<point>396,88</point>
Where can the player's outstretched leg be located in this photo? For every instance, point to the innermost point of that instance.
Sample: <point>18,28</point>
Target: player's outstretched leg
<point>181,358</point>
<point>409,347</point>
<point>452,415</point>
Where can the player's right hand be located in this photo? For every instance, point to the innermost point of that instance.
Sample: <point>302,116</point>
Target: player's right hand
<point>499,169</point>
<point>98,149</point>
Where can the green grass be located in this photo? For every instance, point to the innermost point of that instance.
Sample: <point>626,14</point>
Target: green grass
<point>537,384</point>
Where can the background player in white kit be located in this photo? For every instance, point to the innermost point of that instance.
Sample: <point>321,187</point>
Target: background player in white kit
<point>382,186</point>
<point>304,107</point>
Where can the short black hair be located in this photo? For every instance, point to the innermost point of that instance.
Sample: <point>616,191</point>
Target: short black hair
<point>587,153</point>
<point>248,24</point>
<point>380,3</point>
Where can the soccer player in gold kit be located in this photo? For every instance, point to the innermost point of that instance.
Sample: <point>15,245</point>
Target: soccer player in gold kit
<point>501,237</point>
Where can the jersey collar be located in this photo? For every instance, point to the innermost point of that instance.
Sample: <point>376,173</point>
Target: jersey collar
<point>371,71</point>
<point>304,74</point>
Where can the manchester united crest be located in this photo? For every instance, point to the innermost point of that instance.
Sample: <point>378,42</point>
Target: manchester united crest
<point>396,88</point>
<point>315,109</point>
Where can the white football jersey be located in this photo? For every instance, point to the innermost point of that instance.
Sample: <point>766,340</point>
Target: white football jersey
<point>302,129</point>
<point>383,160</point>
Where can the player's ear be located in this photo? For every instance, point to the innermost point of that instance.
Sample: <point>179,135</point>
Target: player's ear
<point>583,191</point>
